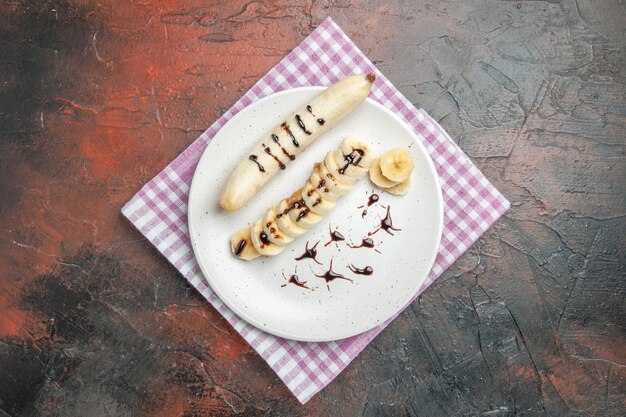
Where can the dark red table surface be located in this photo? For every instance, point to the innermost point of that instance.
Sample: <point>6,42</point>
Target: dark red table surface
<point>97,97</point>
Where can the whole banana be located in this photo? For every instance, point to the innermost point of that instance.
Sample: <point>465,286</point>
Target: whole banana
<point>296,214</point>
<point>280,146</point>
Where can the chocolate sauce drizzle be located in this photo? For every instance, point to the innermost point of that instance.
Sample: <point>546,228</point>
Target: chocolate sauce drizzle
<point>352,159</point>
<point>386,224</point>
<point>302,125</point>
<point>331,275</point>
<point>240,247</point>
<point>368,270</point>
<point>296,204</point>
<point>367,242</point>
<point>254,159</point>
<point>309,253</point>
<point>269,152</point>
<point>295,280</point>
<point>320,121</point>
<point>335,236</point>
<point>302,214</point>
<point>282,148</point>
<point>264,239</point>
<point>293,138</point>
<point>373,199</point>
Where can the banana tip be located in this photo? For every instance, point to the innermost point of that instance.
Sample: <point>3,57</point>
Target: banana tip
<point>371,77</point>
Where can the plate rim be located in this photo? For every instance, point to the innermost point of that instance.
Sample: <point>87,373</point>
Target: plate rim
<point>251,320</point>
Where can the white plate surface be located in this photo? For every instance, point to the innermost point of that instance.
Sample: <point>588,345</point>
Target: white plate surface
<point>254,289</point>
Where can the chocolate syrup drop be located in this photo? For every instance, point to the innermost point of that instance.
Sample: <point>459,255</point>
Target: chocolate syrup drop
<point>367,242</point>
<point>386,224</point>
<point>373,199</point>
<point>293,138</point>
<point>254,158</point>
<point>331,275</point>
<point>335,236</point>
<point>295,280</point>
<point>368,270</point>
<point>301,124</point>
<point>309,253</point>
<point>295,205</point>
<point>264,239</point>
<point>240,247</point>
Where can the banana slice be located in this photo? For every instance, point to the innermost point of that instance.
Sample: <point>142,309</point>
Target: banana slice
<point>241,245</point>
<point>320,186</point>
<point>261,241</point>
<point>331,164</point>
<point>271,229</point>
<point>396,164</point>
<point>277,148</point>
<point>314,200</point>
<point>288,226</point>
<point>333,184</point>
<point>377,177</point>
<point>299,212</point>
<point>400,189</point>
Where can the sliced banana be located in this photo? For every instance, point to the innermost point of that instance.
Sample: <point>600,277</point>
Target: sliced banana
<point>296,214</point>
<point>241,245</point>
<point>377,177</point>
<point>288,226</point>
<point>331,165</point>
<point>277,148</point>
<point>321,187</point>
<point>400,189</point>
<point>274,233</point>
<point>261,241</point>
<point>396,164</point>
<point>314,200</point>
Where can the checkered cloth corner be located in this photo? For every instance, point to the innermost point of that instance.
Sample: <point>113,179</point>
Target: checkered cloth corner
<point>471,203</point>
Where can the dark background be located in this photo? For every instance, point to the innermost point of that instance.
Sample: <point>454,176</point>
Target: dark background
<point>97,97</point>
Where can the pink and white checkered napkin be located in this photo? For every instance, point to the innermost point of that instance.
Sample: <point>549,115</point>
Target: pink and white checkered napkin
<point>471,203</point>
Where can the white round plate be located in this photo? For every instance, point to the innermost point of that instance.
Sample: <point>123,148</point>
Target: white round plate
<point>257,290</point>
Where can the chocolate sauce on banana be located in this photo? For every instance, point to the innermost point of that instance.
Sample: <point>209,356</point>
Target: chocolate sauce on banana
<point>296,204</point>
<point>240,247</point>
<point>353,158</point>
<point>302,125</point>
<point>320,121</point>
<point>293,138</point>
<point>309,253</point>
<point>331,275</point>
<point>302,214</point>
<point>269,152</point>
<point>282,148</point>
<point>264,239</point>
<point>368,270</point>
<point>254,159</point>
<point>317,201</point>
<point>335,236</point>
